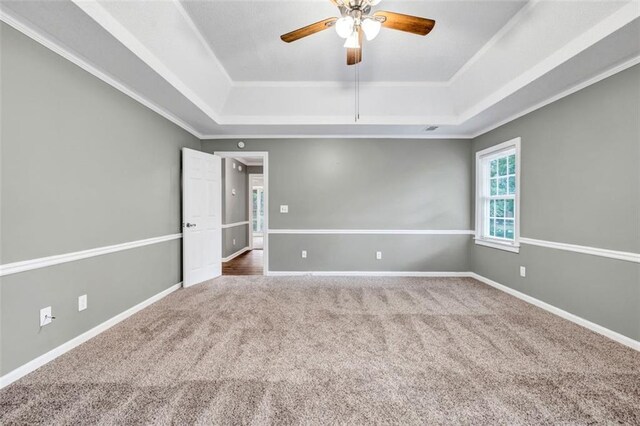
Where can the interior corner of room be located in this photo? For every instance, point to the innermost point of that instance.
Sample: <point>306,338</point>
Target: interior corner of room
<point>131,196</point>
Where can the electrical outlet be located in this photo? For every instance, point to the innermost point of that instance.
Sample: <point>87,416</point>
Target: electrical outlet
<point>378,255</point>
<point>233,165</point>
<point>523,271</point>
<point>284,208</point>
<point>82,302</point>
<point>304,254</point>
<point>45,316</point>
<point>234,241</point>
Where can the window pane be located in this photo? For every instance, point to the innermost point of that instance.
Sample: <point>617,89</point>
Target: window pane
<point>492,208</point>
<point>492,227</point>
<point>499,208</point>
<point>494,184</point>
<point>508,229</point>
<point>502,166</point>
<point>509,208</point>
<point>500,228</point>
<point>502,186</point>
<point>512,184</point>
<point>494,168</point>
<point>512,164</point>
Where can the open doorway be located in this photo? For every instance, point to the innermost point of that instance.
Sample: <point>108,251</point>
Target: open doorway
<point>256,211</point>
<point>244,213</point>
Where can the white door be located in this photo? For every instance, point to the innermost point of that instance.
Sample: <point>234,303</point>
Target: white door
<point>201,217</point>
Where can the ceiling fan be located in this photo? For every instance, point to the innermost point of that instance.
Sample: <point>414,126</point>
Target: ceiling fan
<point>356,19</point>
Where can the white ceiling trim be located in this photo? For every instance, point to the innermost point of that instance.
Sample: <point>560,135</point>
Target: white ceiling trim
<point>334,136</point>
<point>47,42</point>
<point>258,84</point>
<point>515,19</point>
<point>611,24</point>
<point>98,13</point>
<point>200,36</point>
<point>103,17</point>
<point>55,47</point>
<point>440,120</point>
<point>608,73</point>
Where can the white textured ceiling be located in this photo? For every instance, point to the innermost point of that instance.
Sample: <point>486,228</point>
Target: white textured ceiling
<point>245,36</point>
<point>218,68</point>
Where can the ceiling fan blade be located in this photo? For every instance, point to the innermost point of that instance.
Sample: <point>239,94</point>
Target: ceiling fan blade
<point>407,23</point>
<point>308,30</point>
<point>354,55</point>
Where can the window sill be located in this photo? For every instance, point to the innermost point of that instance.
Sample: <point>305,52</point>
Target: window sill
<point>497,245</point>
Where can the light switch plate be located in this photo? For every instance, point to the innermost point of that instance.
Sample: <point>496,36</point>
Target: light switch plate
<point>45,316</point>
<point>304,254</point>
<point>233,191</point>
<point>234,241</point>
<point>82,302</point>
<point>284,208</point>
<point>234,165</point>
<point>523,271</point>
<point>378,255</point>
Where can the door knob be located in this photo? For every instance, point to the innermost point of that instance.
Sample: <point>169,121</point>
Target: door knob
<point>190,225</point>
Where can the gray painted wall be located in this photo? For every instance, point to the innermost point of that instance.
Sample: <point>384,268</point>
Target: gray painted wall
<point>580,184</point>
<point>365,184</point>
<point>82,166</point>
<point>234,207</point>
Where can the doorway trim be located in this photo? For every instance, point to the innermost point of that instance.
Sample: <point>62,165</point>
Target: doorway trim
<point>239,155</point>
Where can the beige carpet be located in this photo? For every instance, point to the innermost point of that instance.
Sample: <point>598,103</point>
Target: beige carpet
<point>257,350</point>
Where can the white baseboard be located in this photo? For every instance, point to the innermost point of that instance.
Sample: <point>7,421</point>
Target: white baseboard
<point>34,364</point>
<point>368,273</point>
<point>627,341</point>
<point>234,255</point>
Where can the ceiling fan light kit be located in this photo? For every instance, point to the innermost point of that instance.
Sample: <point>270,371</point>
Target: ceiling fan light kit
<point>356,19</point>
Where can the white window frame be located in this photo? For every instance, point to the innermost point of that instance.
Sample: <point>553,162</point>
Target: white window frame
<point>483,160</point>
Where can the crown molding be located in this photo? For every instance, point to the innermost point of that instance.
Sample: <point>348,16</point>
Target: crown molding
<point>55,47</point>
<point>515,20</point>
<point>617,20</point>
<point>608,73</point>
<point>113,26</point>
<point>332,136</point>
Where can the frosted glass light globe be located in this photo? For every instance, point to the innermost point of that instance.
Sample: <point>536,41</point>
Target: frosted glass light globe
<point>344,26</point>
<point>371,28</point>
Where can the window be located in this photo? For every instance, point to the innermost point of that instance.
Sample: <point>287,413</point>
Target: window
<point>498,196</point>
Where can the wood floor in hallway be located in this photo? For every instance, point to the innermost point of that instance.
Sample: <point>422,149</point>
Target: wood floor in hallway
<point>248,263</point>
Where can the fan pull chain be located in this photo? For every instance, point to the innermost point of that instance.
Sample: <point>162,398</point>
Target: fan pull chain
<point>356,92</point>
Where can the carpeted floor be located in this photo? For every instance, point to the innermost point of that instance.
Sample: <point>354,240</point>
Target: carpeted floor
<point>260,350</point>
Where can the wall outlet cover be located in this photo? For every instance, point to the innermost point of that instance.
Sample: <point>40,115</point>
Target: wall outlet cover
<point>82,302</point>
<point>234,241</point>
<point>234,165</point>
<point>233,191</point>
<point>45,316</point>
<point>239,168</point>
<point>378,255</point>
<point>304,254</point>
<point>523,271</point>
<point>284,208</point>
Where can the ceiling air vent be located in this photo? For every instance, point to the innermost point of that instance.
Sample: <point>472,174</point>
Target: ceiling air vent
<point>430,128</point>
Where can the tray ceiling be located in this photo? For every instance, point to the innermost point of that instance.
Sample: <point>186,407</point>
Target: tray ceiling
<point>218,68</point>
